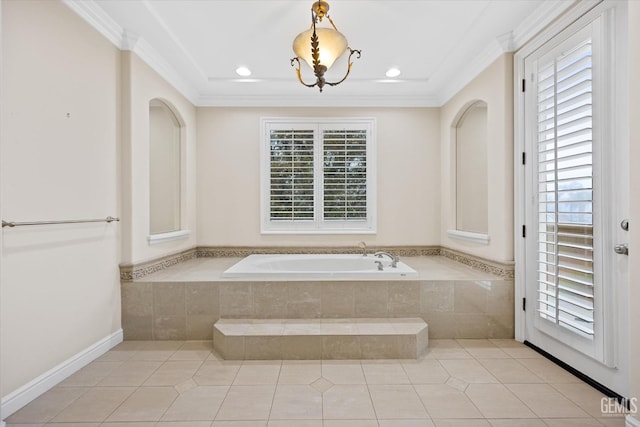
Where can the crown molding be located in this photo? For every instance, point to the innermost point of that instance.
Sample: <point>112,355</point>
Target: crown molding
<point>570,15</point>
<point>471,70</point>
<point>545,14</point>
<point>314,101</point>
<point>157,62</point>
<point>176,41</point>
<point>95,16</point>
<point>123,39</point>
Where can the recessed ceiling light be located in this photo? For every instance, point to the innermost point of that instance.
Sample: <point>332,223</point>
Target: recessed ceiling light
<point>243,71</point>
<point>392,72</point>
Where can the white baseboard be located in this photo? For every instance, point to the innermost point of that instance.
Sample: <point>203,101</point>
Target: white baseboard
<point>631,421</point>
<point>28,392</point>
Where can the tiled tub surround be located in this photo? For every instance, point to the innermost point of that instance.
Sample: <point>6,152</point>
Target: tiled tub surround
<point>185,300</point>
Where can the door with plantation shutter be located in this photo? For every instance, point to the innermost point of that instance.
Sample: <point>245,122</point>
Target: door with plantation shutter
<point>575,197</point>
<point>564,175</point>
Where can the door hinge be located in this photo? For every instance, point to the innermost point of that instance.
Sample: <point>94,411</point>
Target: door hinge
<point>524,158</point>
<point>524,304</point>
<point>524,231</point>
<point>524,84</point>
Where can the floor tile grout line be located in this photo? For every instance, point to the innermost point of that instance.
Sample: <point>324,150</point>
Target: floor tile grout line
<point>65,407</point>
<point>574,400</point>
<point>116,408</point>
<point>275,390</point>
<point>225,396</point>
<point>321,393</point>
<point>372,404</point>
<point>566,397</point>
<point>121,403</point>
<point>413,386</point>
<point>168,406</point>
<point>146,379</point>
<point>509,390</point>
<point>532,410</point>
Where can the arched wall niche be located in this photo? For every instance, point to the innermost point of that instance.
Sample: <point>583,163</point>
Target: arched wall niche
<point>166,168</point>
<point>470,167</point>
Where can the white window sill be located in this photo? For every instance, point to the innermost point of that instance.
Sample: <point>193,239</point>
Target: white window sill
<point>479,238</point>
<point>319,231</point>
<point>155,239</point>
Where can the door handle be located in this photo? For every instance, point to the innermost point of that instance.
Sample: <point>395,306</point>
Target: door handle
<point>621,249</point>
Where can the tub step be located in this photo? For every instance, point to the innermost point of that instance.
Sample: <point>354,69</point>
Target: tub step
<point>314,339</point>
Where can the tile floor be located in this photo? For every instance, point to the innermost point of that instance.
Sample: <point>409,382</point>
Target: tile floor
<point>185,384</point>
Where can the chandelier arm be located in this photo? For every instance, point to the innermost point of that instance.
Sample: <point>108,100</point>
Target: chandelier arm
<point>352,51</point>
<point>332,24</point>
<point>299,73</point>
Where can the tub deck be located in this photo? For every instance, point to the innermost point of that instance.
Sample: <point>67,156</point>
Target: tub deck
<point>211,269</point>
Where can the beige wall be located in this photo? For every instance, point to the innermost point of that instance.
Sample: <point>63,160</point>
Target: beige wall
<point>634,229</point>
<point>495,87</point>
<point>140,85</point>
<point>408,151</point>
<point>59,154</point>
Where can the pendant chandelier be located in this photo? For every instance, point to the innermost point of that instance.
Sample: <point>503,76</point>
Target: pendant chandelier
<point>320,47</point>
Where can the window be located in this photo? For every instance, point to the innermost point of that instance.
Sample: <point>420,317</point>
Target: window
<point>318,176</point>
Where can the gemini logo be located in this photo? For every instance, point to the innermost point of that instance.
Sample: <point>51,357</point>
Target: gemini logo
<point>611,406</point>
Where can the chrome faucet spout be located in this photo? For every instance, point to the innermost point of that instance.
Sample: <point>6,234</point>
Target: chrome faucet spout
<point>363,246</point>
<point>394,258</point>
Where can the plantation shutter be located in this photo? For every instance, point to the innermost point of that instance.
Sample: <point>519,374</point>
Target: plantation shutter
<point>565,190</point>
<point>344,174</point>
<point>291,194</point>
<point>318,176</point>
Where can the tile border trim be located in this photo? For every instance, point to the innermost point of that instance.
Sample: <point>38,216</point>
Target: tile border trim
<point>131,272</point>
<point>504,270</point>
<point>243,251</point>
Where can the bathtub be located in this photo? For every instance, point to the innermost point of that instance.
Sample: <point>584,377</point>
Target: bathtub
<point>318,266</point>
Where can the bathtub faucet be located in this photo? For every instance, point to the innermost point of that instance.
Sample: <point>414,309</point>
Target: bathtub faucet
<point>394,259</point>
<point>363,246</point>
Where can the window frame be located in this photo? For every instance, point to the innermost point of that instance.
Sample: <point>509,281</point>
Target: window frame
<point>318,225</point>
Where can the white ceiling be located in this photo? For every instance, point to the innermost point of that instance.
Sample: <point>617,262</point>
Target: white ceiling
<point>439,45</point>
